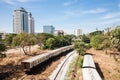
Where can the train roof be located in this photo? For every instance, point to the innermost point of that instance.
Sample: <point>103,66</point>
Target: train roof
<point>88,61</point>
<point>35,57</point>
<point>90,74</point>
<point>44,54</point>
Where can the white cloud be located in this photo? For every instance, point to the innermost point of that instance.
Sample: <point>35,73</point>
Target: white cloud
<point>13,2</point>
<point>9,1</point>
<point>95,11</point>
<point>112,21</point>
<point>111,15</point>
<point>71,2</point>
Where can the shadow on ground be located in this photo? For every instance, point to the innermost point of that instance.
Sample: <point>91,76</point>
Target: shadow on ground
<point>99,70</point>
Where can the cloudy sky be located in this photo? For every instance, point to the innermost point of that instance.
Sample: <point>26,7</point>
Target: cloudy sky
<point>66,15</point>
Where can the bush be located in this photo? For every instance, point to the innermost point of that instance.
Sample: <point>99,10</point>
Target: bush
<point>96,42</point>
<point>2,55</point>
<point>43,47</point>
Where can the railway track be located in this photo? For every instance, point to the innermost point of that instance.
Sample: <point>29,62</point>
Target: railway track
<point>60,72</point>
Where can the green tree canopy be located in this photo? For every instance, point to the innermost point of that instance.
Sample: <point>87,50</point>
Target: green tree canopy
<point>96,41</point>
<point>80,47</point>
<point>96,33</point>
<point>8,39</point>
<point>42,37</point>
<point>24,39</point>
<point>115,37</point>
<point>85,38</point>
<point>51,43</point>
<point>2,47</point>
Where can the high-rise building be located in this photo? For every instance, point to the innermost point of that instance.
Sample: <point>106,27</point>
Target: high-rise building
<point>77,32</point>
<point>30,23</point>
<point>22,21</point>
<point>48,29</point>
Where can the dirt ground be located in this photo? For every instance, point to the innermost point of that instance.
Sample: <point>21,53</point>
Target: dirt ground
<point>10,67</point>
<point>109,67</point>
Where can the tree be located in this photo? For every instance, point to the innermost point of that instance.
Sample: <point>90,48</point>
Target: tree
<point>51,43</point>
<point>115,37</point>
<point>106,44</point>
<point>8,39</point>
<point>2,49</point>
<point>96,41</point>
<point>42,37</point>
<point>84,38</point>
<point>24,39</point>
<point>96,33</point>
<point>80,47</point>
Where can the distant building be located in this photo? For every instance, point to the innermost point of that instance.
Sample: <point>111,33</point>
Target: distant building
<point>48,29</point>
<point>59,32</point>
<point>30,23</point>
<point>77,32</point>
<point>22,21</point>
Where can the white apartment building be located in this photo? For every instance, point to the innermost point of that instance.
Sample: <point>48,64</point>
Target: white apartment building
<point>22,21</point>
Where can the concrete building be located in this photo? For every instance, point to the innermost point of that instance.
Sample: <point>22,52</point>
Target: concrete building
<point>78,32</point>
<point>22,21</point>
<point>30,23</point>
<point>48,29</point>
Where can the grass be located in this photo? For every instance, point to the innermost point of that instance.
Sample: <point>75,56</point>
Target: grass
<point>76,64</point>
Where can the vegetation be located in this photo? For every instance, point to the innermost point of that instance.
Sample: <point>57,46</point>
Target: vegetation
<point>24,39</point>
<point>50,43</point>
<point>2,49</point>
<point>96,41</point>
<point>80,47</point>
<point>115,38</point>
<point>75,69</point>
<point>9,39</point>
<point>85,38</point>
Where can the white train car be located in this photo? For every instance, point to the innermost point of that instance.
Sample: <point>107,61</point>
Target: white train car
<point>34,61</point>
<point>90,74</point>
<point>88,61</point>
<point>89,71</point>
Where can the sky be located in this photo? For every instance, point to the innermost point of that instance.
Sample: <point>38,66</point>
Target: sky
<point>66,15</point>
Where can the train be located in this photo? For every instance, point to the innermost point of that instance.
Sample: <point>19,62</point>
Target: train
<point>89,70</point>
<point>36,60</point>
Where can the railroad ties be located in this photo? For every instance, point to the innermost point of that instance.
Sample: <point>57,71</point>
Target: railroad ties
<point>89,69</point>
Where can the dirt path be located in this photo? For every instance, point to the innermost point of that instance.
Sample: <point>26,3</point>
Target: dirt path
<point>108,66</point>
